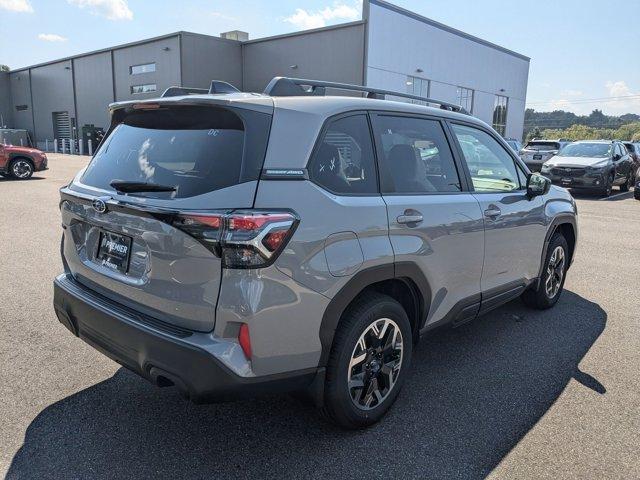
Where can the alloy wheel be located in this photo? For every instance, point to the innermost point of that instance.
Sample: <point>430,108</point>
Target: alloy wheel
<point>375,364</point>
<point>21,169</point>
<point>555,272</point>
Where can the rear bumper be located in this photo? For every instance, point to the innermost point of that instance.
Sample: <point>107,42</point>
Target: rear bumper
<point>162,356</point>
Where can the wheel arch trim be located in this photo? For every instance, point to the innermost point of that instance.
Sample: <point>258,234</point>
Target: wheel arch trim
<point>407,272</point>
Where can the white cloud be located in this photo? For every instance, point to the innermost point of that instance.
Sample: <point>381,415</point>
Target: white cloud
<point>620,104</point>
<point>618,89</point>
<point>571,93</point>
<point>305,19</point>
<point>22,6</point>
<point>110,9</point>
<point>52,37</point>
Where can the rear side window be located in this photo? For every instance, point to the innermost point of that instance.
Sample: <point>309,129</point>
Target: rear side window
<point>194,149</point>
<point>343,162</point>
<point>415,157</point>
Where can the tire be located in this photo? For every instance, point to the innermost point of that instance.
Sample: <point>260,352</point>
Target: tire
<point>626,185</point>
<point>547,293</point>
<point>636,193</point>
<point>608,187</point>
<point>354,407</point>
<point>21,169</point>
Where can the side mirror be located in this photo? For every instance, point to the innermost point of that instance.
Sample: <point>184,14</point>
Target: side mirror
<point>537,185</point>
<point>617,157</point>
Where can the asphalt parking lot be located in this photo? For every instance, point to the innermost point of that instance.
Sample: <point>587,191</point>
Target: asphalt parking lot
<point>516,394</point>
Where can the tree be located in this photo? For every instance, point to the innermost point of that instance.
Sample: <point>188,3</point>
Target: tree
<point>4,68</point>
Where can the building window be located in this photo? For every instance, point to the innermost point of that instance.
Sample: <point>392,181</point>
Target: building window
<point>465,98</point>
<point>149,87</point>
<point>500,109</point>
<point>146,68</point>
<point>418,86</point>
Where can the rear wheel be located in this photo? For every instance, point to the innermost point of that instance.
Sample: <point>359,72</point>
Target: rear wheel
<point>369,359</point>
<point>551,283</point>
<point>21,168</point>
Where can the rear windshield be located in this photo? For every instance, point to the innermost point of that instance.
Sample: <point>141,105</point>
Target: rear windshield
<point>193,149</point>
<point>542,146</point>
<point>590,150</point>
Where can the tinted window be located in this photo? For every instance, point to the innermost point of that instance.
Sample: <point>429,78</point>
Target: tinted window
<point>195,149</point>
<point>415,156</point>
<point>492,169</point>
<point>343,162</point>
<point>543,146</point>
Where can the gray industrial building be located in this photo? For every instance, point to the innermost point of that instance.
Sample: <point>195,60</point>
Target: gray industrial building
<point>391,48</point>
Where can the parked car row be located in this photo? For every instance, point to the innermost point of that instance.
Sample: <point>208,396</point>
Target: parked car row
<point>596,165</point>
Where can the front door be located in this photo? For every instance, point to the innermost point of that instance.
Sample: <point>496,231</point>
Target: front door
<point>434,222</point>
<point>515,226</point>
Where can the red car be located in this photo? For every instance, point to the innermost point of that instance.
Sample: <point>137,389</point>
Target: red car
<point>21,162</point>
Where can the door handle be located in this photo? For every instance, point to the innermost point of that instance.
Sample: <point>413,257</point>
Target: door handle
<point>410,217</point>
<point>492,212</point>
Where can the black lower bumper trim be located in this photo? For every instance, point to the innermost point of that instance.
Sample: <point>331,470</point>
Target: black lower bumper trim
<point>159,357</point>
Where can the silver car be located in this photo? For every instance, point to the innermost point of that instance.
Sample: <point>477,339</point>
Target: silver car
<point>234,244</point>
<point>536,152</point>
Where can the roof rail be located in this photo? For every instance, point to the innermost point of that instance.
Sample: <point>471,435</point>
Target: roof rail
<point>290,87</point>
<point>179,91</point>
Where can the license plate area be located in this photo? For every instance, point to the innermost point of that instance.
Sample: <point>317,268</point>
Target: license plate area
<point>114,251</point>
<point>566,181</point>
<point>537,157</point>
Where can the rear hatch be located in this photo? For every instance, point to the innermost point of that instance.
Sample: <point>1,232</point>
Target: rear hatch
<point>132,219</point>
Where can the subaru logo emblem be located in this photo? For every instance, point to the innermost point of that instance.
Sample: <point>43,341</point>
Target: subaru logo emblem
<point>99,205</point>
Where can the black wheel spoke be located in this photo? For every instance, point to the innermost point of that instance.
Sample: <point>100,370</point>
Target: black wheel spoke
<point>375,364</point>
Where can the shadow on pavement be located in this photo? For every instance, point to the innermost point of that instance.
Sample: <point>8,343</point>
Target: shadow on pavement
<point>11,179</point>
<point>472,395</point>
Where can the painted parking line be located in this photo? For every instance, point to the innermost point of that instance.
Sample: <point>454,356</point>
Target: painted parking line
<point>616,196</point>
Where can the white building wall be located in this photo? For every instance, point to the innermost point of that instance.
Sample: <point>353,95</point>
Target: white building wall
<point>400,43</point>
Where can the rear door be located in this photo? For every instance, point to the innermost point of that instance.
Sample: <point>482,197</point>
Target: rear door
<point>154,251</point>
<point>514,225</point>
<point>434,221</point>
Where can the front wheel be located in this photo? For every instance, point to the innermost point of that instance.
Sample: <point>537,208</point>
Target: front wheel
<point>369,359</point>
<point>627,184</point>
<point>21,169</point>
<point>551,282</point>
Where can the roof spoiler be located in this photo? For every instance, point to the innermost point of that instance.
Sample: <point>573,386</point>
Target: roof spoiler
<point>293,87</point>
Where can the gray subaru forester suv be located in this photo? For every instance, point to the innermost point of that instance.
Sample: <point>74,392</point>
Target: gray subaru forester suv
<point>232,244</point>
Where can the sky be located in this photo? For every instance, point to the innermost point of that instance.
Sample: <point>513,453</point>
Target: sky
<point>584,55</point>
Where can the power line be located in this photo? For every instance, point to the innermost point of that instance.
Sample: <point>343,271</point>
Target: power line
<point>588,100</point>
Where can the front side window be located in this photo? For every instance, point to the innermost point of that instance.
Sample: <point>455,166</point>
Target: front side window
<point>415,157</point>
<point>500,109</point>
<point>343,162</point>
<point>147,88</point>
<point>492,169</point>
<point>465,98</point>
<point>146,68</point>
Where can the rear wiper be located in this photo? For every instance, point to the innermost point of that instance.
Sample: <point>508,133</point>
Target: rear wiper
<point>130,187</point>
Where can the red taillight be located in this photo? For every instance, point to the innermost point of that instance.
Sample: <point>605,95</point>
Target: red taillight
<point>245,340</point>
<point>247,239</point>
